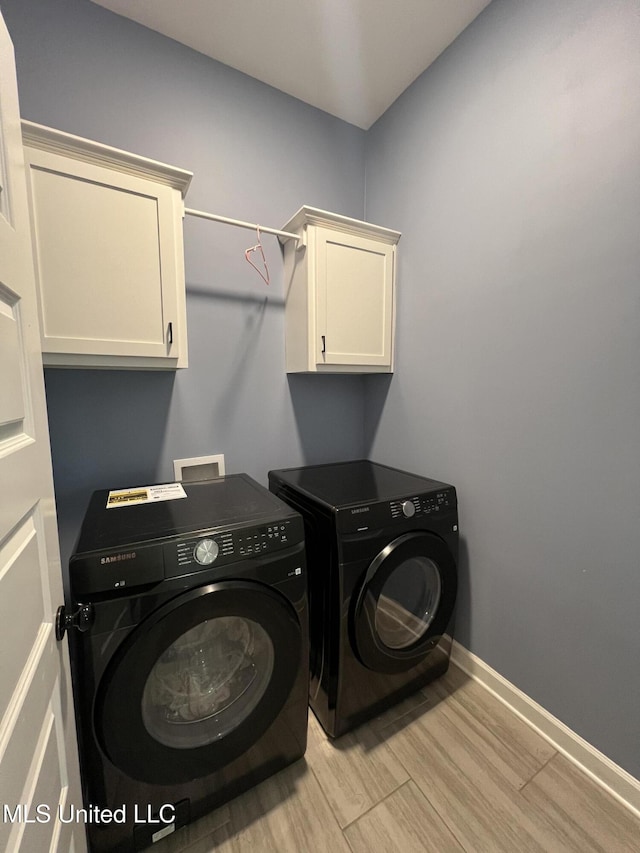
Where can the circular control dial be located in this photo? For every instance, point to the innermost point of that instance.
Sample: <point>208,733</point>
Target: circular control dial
<point>408,509</point>
<point>206,551</point>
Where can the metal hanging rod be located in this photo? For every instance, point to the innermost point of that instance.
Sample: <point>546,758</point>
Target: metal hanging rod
<point>240,224</point>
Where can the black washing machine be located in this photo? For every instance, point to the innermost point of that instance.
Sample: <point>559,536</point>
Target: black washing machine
<point>382,548</point>
<point>190,668</point>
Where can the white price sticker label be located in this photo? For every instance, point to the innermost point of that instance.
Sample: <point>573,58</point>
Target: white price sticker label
<point>145,495</point>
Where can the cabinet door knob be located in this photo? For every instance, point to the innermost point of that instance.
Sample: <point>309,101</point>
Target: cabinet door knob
<point>324,347</point>
<point>170,334</point>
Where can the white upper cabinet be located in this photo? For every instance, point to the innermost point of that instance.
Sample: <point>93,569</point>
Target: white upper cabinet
<point>340,294</point>
<point>108,251</point>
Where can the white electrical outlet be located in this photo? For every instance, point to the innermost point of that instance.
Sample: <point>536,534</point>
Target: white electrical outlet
<point>198,468</point>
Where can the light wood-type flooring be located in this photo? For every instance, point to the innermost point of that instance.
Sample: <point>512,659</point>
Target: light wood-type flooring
<point>448,770</point>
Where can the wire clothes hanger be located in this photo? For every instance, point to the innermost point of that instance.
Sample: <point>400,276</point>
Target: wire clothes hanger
<point>287,235</point>
<point>258,248</point>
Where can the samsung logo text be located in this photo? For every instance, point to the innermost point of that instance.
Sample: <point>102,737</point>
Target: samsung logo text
<point>118,558</point>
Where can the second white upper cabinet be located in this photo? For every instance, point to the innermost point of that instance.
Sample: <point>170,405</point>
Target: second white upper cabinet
<point>108,252</point>
<point>340,294</point>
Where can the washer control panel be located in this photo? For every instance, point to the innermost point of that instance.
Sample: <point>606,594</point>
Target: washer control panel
<point>261,539</point>
<point>219,548</point>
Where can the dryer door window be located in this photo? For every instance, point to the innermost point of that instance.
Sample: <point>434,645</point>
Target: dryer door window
<point>404,603</point>
<point>408,602</point>
<point>199,682</point>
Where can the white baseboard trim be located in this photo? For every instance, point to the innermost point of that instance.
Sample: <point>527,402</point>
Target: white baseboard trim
<point>604,772</point>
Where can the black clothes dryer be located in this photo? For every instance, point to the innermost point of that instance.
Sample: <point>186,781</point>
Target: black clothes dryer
<point>191,674</point>
<point>382,547</point>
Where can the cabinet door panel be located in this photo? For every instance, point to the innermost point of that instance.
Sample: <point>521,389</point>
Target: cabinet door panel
<point>105,259</point>
<point>355,300</point>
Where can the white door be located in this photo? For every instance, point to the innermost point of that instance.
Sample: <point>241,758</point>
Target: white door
<point>355,300</point>
<point>38,756</point>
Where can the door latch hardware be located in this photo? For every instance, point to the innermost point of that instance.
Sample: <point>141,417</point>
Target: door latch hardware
<point>82,619</point>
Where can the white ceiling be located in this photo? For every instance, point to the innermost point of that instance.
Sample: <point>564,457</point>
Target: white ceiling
<point>351,58</point>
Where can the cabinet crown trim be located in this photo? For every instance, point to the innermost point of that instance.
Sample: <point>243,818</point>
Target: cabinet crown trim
<point>58,142</point>
<point>314,216</point>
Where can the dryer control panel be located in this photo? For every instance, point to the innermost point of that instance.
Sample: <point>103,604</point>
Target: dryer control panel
<point>356,519</point>
<point>423,504</point>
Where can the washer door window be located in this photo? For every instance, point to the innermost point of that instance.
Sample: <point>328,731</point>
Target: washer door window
<point>198,682</point>
<point>207,682</point>
<point>405,602</point>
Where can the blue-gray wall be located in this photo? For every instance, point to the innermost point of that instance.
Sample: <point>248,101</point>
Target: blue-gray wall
<point>256,155</point>
<point>512,168</point>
